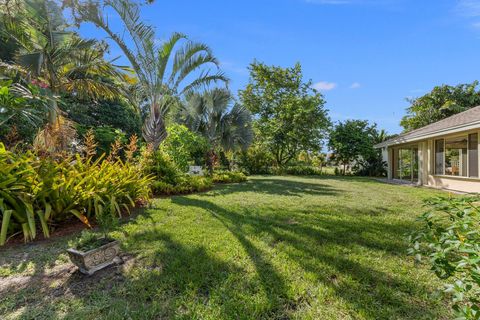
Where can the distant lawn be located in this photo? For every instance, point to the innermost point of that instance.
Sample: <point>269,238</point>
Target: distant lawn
<point>271,248</point>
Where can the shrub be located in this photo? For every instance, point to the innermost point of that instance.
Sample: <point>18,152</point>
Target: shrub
<point>450,239</point>
<point>256,160</point>
<point>298,171</point>
<point>185,184</point>
<point>105,136</point>
<point>184,147</point>
<point>228,177</point>
<point>169,179</point>
<point>163,168</point>
<point>38,190</point>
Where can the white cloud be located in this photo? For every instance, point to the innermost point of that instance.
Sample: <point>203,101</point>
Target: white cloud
<point>355,85</point>
<point>469,8</point>
<point>324,86</point>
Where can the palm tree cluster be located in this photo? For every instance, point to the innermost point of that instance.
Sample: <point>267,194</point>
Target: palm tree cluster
<point>165,80</point>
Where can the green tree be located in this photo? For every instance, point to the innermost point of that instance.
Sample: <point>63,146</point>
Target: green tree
<point>353,140</point>
<point>289,114</point>
<point>60,60</point>
<point>442,102</point>
<point>165,71</point>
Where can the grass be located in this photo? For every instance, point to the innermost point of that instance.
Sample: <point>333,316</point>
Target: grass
<point>271,248</point>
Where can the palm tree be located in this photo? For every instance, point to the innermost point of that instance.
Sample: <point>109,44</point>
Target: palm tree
<point>215,115</point>
<point>60,60</point>
<point>166,71</point>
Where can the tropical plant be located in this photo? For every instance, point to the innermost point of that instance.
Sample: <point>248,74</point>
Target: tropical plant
<point>44,190</point>
<point>214,114</point>
<point>165,71</point>
<point>21,102</point>
<point>62,61</point>
<point>449,238</point>
<point>184,146</point>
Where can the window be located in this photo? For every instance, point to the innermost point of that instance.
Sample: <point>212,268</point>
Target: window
<point>473,155</point>
<point>457,156</point>
<point>439,150</point>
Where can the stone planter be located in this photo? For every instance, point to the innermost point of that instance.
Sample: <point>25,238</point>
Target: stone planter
<point>96,259</point>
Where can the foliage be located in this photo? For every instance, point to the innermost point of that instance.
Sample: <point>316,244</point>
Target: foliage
<point>352,141</point>
<point>159,84</point>
<point>223,176</point>
<point>169,179</point>
<point>52,55</point>
<point>215,115</point>
<point>163,168</point>
<point>117,114</point>
<point>450,239</point>
<point>104,136</point>
<point>290,115</point>
<point>185,184</point>
<point>373,166</point>
<point>22,106</point>
<point>440,103</point>
<point>184,147</point>
<point>45,190</point>
<point>89,240</point>
<point>256,160</point>
<point>298,170</point>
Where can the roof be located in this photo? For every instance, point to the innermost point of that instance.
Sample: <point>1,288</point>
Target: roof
<point>463,121</point>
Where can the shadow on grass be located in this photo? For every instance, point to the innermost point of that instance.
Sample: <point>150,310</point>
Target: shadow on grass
<point>369,291</point>
<point>273,186</point>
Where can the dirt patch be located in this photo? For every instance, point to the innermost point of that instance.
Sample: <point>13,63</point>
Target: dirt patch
<point>66,228</point>
<point>64,280</point>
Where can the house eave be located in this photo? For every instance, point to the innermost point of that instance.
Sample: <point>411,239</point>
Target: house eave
<point>399,140</point>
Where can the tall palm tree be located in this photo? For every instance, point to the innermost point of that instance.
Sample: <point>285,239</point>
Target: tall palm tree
<point>214,114</point>
<point>166,71</point>
<point>61,61</point>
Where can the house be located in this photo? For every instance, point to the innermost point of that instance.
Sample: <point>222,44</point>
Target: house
<point>443,154</point>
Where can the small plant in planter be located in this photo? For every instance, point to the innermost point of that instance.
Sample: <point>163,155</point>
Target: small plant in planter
<point>92,252</point>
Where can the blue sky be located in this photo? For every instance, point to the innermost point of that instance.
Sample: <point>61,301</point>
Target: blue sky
<point>366,56</point>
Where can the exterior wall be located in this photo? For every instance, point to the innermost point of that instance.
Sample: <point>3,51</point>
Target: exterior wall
<point>426,174</point>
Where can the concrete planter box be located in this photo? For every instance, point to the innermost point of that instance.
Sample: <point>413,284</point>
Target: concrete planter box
<point>96,259</point>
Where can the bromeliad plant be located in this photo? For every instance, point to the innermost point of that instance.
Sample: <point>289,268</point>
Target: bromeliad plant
<point>36,190</point>
<point>450,239</point>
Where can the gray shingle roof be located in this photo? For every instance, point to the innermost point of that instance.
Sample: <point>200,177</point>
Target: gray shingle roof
<point>471,117</point>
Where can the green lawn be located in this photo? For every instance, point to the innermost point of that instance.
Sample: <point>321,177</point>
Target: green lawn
<point>271,248</point>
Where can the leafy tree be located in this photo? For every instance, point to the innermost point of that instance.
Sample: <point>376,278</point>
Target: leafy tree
<point>98,113</point>
<point>61,61</point>
<point>353,140</point>
<point>442,102</point>
<point>289,114</point>
<point>214,114</point>
<point>165,71</point>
